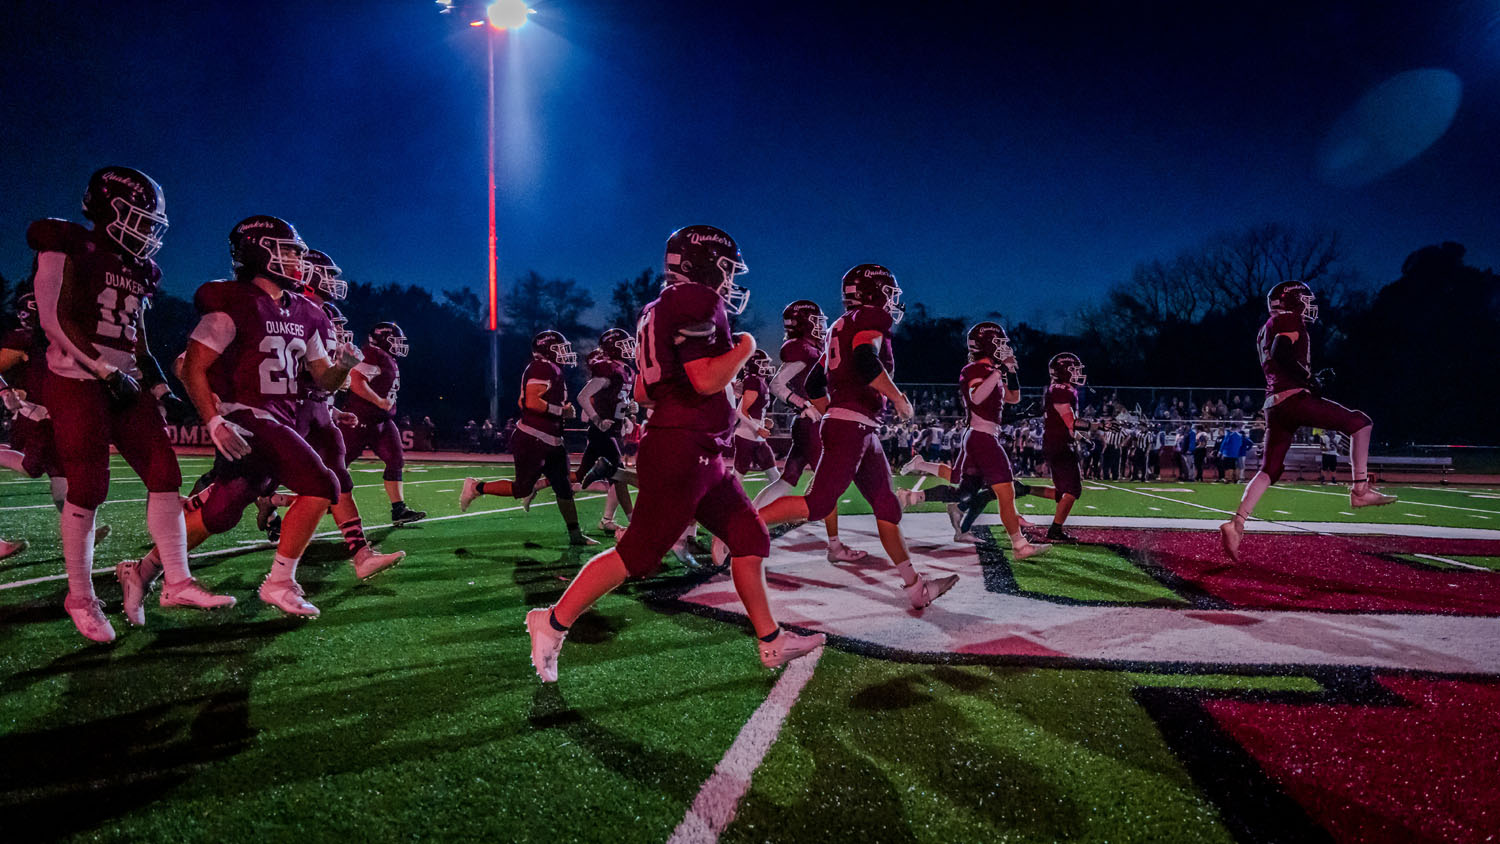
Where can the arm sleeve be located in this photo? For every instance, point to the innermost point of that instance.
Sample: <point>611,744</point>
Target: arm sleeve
<point>784,376</point>
<point>817,381</point>
<point>215,330</point>
<point>1283,351</point>
<point>586,398</point>
<point>47,284</point>
<point>867,362</point>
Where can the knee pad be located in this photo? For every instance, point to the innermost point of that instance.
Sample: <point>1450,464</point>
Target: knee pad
<point>887,508</point>
<point>87,490</point>
<point>1363,421</point>
<point>392,472</point>
<point>223,505</point>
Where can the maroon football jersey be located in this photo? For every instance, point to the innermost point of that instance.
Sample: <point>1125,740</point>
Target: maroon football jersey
<point>1278,377</point>
<point>546,372</point>
<point>109,293</point>
<point>847,388</point>
<point>757,410</point>
<point>27,374</point>
<point>307,388</point>
<point>383,377</point>
<point>264,343</point>
<point>1055,434</point>
<point>800,350</point>
<point>686,323</point>
<point>610,401</point>
<point>994,404</point>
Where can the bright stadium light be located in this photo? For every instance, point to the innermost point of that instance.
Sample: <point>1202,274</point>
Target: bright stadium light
<point>508,14</point>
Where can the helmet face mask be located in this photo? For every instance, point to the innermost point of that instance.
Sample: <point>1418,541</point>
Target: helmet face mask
<point>1293,297</point>
<point>321,274</point>
<point>129,208</point>
<point>389,336</point>
<point>342,336</point>
<point>26,312</point>
<point>872,285</point>
<point>735,297</point>
<point>760,364</point>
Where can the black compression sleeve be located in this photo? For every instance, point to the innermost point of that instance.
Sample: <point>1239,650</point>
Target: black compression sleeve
<point>867,362</point>
<point>817,382</point>
<point>1283,352</point>
<point>151,373</point>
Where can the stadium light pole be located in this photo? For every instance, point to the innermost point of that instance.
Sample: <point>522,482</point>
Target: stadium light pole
<point>499,17</point>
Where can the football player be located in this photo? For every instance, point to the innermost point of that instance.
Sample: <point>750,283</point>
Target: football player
<point>538,441</point>
<point>686,360</point>
<point>255,335</point>
<point>805,329</point>
<point>1294,400</point>
<point>858,373</point>
<point>103,386</point>
<point>317,419</point>
<point>607,407</point>
<point>751,451</point>
<point>1059,416</point>
<point>372,400</point>
<point>987,383</point>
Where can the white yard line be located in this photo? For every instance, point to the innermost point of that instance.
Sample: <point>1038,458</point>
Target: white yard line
<point>54,506</point>
<point>1345,496</point>
<point>720,796</point>
<point>1450,562</point>
<point>267,545</point>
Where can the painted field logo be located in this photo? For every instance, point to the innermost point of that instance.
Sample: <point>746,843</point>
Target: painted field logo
<point>1153,599</point>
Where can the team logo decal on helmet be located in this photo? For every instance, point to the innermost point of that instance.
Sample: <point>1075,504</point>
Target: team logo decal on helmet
<point>873,286</point>
<point>617,344</point>
<point>552,345</point>
<point>1293,297</point>
<point>803,318</point>
<point>321,274</point>
<point>988,341</point>
<point>1066,368</point>
<point>708,256</point>
<point>268,246</point>
<point>129,207</point>
<point>389,336</point>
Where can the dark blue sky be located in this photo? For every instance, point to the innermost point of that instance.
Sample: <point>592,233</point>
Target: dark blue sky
<point>997,157</point>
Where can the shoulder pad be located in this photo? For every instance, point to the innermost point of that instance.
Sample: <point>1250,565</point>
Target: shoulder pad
<point>54,235</point>
<point>215,296</point>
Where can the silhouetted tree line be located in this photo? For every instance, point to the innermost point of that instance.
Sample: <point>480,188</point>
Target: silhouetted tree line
<point>1417,354</point>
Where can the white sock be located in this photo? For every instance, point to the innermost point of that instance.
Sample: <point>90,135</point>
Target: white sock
<point>1359,453</point>
<point>59,491</point>
<point>11,459</point>
<point>168,528</point>
<point>770,492</point>
<point>907,572</point>
<point>150,565</point>
<point>833,540</point>
<point>77,528</point>
<point>283,569</point>
<point>1253,491</point>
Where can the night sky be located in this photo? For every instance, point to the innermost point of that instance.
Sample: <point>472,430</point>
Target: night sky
<point>996,157</point>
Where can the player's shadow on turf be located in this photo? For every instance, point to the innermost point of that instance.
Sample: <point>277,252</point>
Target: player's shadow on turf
<point>678,775</point>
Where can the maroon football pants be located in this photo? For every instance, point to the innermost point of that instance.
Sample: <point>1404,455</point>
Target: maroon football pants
<point>277,457</point>
<point>384,438</point>
<point>684,477</point>
<point>807,447</point>
<point>84,424</point>
<point>851,454</point>
<point>1286,416</point>
<point>315,425</point>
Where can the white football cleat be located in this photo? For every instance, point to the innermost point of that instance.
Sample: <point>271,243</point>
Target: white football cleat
<point>88,617</point>
<point>925,591</point>
<point>610,526</point>
<point>135,588</point>
<point>1369,497</point>
<point>101,533</point>
<point>1025,550</point>
<point>910,467</point>
<point>190,593</point>
<point>10,549</point>
<point>368,562</point>
<point>787,646</point>
<point>909,498</point>
<point>287,597</point>
<point>838,552</point>
<point>546,643</point>
<point>467,495</point>
<point>1230,534</point>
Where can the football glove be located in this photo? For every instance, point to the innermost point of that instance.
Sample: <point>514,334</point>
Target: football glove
<point>229,438</point>
<point>173,409</point>
<point>1322,380</point>
<point>121,387</point>
<point>13,399</point>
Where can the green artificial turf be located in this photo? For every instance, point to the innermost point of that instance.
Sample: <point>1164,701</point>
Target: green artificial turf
<point>409,710</point>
